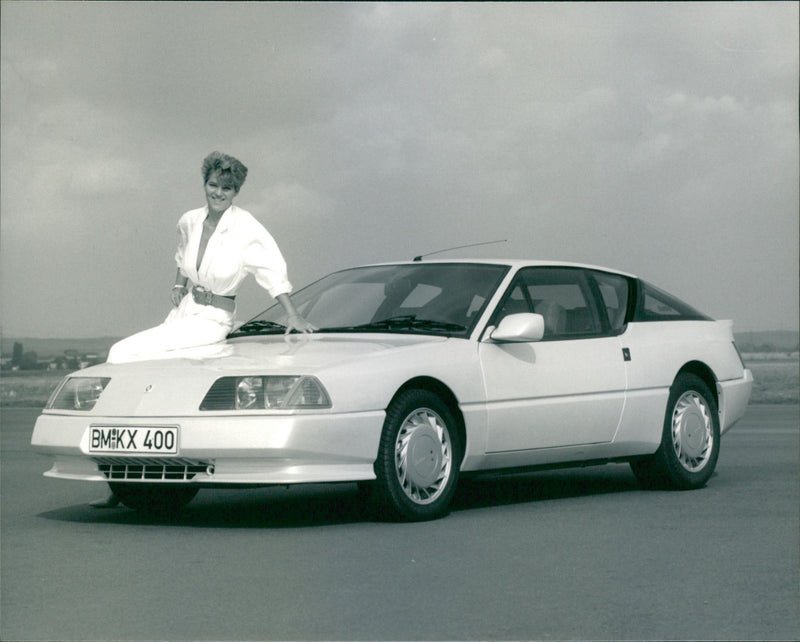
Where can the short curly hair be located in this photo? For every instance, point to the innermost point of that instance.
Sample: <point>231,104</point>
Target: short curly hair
<point>227,168</point>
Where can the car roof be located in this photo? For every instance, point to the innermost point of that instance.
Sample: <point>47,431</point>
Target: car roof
<point>515,264</point>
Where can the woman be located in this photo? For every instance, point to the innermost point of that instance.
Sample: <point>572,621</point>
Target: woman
<point>218,246</point>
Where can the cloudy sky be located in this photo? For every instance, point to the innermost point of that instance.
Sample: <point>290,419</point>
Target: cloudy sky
<point>658,138</point>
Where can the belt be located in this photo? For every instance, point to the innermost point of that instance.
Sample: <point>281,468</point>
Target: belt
<point>204,296</point>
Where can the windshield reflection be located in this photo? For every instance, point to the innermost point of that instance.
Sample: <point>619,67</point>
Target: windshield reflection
<point>434,298</point>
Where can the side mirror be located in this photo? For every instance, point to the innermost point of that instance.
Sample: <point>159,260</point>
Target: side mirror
<point>519,328</point>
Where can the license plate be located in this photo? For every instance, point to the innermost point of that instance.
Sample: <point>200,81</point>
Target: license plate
<point>162,440</point>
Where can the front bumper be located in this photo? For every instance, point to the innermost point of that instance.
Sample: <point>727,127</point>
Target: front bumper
<point>221,450</point>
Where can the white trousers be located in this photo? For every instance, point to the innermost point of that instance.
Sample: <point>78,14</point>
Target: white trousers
<point>190,325</point>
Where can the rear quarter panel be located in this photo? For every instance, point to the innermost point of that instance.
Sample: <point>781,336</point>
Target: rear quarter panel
<point>659,350</point>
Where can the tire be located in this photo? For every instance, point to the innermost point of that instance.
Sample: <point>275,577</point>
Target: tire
<point>154,498</point>
<point>690,440</point>
<point>418,457</point>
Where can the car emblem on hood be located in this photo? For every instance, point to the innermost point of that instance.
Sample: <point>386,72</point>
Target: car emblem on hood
<point>149,387</point>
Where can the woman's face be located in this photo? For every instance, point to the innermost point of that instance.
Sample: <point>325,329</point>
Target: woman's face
<point>219,194</point>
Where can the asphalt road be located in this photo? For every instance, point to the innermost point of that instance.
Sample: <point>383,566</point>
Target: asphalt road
<point>580,554</point>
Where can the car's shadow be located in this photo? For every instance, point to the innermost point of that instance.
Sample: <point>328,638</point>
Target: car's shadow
<point>499,489</point>
<point>334,504</point>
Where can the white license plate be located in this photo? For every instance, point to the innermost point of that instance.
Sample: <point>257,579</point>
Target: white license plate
<point>162,440</point>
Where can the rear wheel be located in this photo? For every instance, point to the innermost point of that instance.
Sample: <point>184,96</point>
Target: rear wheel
<point>154,498</point>
<point>690,440</point>
<point>418,459</point>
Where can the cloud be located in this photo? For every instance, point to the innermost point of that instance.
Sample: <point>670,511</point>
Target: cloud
<point>622,133</point>
<point>104,175</point>
<point>297,203</point>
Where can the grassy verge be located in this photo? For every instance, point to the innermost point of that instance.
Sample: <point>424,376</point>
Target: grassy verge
<point>775,381</point>
<point>28,389</point>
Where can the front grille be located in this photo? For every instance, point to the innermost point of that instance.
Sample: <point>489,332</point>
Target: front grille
<point>155,469</point>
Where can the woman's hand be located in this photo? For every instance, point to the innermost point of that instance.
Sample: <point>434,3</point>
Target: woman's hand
<point>178,292</point>
<point>296,322</point>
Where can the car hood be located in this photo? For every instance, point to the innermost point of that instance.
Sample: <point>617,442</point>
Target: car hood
<point>177,384</point>
<point>272,353</point>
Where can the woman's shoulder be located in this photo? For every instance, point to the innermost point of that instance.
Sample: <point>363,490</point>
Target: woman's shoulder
<point>192,216</point>
<point>245,220</point>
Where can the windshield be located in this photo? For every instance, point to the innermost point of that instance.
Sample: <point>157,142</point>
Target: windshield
<point>439,298</point>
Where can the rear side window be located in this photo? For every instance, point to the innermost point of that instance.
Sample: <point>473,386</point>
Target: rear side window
<point>653,304</point>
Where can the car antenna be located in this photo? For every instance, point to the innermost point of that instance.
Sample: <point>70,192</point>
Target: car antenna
<point>460,247</point>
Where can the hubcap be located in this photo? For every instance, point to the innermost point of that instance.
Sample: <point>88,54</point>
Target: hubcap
<point>423,456</point>
<point>692,431</point>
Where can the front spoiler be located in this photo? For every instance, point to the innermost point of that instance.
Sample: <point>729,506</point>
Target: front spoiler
<point>225,450</point>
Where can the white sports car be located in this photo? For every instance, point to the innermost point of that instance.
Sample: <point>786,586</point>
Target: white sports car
<point>420,372</point>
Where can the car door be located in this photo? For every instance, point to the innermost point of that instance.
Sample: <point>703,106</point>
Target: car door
<point>569,388</point>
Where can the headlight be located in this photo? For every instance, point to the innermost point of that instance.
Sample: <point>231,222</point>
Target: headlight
<point>269,392</point>
<point>78,393</point>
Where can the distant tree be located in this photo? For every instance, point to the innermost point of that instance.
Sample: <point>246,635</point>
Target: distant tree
<point>72,359</point>
<point>30,361</point>
<point>16,359</point>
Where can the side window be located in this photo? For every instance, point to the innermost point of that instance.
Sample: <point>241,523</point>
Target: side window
<point>514,303</point>
<point>563,297</point>
<point>613,290</point>
<point>656,305</point>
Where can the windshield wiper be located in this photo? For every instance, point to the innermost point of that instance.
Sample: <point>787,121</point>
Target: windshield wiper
<point>408,322</point>
<point>257,326</point>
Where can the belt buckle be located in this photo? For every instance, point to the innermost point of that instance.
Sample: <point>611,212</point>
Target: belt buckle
<point>203,295</point>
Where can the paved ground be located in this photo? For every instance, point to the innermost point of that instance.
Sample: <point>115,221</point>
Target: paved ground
<point>576,554</point>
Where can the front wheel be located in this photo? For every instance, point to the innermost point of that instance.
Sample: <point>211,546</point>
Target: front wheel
<point>689,446</point>
<point>154,498</point>
<point>418,458</point>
